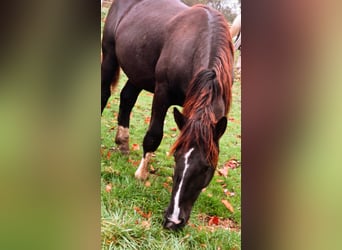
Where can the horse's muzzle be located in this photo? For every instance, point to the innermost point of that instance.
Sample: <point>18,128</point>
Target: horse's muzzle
<point>173,226</point>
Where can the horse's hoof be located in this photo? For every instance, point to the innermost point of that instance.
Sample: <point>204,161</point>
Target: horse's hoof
<point>141,176</point>
<point>124,150</point>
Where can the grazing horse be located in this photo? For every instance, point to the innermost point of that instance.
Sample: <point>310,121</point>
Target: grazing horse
<point>184,55</point>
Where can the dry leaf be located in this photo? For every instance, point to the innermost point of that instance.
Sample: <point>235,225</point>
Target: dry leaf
<point>228,193</point>
<point>146,224</point>
<point>108,155</point>
<point>213,221</point>
<point>166,185</point>
<point>133,162</point>
<point>228,205</point>
<point>147,184</point>
<point>173,129</point>
<point>232,163</point>
<point>135,147</point>
<point>145,215</point>
<point>147,119</point>
<point>223,171</point>
<point>108,187</point>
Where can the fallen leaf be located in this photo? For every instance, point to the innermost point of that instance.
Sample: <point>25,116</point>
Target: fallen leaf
<point>145,215</point>
<point>108,187</point>
<point>147,119</point>
<point>147,184</point>
<point>232,163</point>
<point>108,155</point>
<point>219,181</point>
<point>228,193</point>
<point>146,224</point>
<point>135,147</point>
<point>173,129</point>
<point>223,171</point>
<point>133,162</point>
<point>228,205</point>
<point>213,221</point>
<point>109,170</point>
<point>166,185</point>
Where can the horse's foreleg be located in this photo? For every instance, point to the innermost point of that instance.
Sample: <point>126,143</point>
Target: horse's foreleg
<point>128,97</point>
<point>154,133</point>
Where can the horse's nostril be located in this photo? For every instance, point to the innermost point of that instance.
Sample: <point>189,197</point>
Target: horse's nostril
<point>169,225</point>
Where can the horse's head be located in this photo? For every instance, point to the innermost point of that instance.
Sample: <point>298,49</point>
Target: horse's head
<point>193,171</point>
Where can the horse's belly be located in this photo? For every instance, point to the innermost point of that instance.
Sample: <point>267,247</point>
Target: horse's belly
<point>138,59</point>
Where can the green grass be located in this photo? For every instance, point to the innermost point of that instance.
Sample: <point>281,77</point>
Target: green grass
<point>131,213</point>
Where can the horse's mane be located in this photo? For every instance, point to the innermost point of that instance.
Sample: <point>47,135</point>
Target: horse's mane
<point>207,86</point>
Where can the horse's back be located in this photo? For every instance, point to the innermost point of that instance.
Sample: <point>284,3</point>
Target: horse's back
<point>163,40</point>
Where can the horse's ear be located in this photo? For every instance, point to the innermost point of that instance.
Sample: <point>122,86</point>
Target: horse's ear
<point>220,127</point>
<point>179,118</point>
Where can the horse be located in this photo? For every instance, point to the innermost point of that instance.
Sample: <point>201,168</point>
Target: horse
<point>184,55</point>
<point>235,31</point>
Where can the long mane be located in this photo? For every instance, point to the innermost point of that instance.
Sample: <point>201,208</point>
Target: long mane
<point>206,87</point>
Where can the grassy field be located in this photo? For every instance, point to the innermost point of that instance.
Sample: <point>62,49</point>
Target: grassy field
<point>132,211</point>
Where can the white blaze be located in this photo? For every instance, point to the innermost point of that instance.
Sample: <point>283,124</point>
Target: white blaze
<point>176,210</point>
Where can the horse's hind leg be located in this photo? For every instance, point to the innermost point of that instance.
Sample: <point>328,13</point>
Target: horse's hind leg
<point>109,71</point>
<point>128,97</point>
<point>154,133</point>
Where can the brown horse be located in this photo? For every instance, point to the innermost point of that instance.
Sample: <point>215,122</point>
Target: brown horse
<point>184,56</point>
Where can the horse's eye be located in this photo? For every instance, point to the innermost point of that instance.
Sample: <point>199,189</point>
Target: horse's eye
<point>206,168</point>
<point>175,153</point>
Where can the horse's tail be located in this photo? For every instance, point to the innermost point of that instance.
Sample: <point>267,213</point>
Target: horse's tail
<point>110,69</point>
